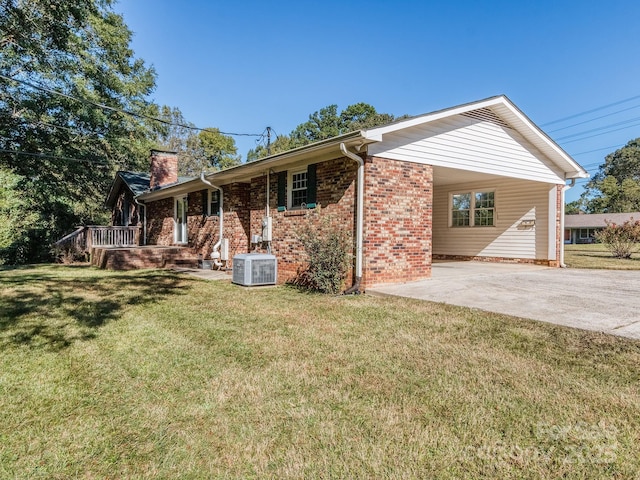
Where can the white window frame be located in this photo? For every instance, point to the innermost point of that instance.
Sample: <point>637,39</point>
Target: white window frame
<point>472,207</point>
<point>290,187</point>
<point>210,195</point>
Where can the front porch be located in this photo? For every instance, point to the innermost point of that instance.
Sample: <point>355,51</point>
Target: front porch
<point>118,248</point>
<point>138,257</point>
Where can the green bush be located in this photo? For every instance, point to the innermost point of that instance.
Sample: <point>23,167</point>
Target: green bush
<point>328,257</point>
<point>621,240</point>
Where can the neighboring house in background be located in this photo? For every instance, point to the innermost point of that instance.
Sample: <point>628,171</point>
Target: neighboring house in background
<point>477,181</point>
<point>581,228</point>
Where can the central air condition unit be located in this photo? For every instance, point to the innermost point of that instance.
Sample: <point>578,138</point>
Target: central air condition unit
<point>255,269</point>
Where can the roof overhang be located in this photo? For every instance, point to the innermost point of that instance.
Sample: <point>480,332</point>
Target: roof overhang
<point>358,140</point>
<point>503,107</point>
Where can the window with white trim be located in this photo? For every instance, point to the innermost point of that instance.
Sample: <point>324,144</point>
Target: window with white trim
<point>298,190</point>
<point>473,209</point>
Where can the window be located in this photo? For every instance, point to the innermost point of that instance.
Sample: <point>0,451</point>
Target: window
<point>460,211</point>
<point>473,209</point>
<point>298,189</point>
<point>214,202</point>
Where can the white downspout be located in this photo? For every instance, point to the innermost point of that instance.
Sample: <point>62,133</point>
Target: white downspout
<point>144,220</point>
<point>359,217</point>
<point>562,200</point>
<point>216,247</point>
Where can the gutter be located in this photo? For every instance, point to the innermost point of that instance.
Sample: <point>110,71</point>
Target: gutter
<point>216,247</point>
<point>355,288</point>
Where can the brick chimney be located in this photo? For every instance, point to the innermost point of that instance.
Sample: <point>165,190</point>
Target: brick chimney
<point>164,169</point>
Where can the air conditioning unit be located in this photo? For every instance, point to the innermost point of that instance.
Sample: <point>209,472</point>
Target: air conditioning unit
<point>255,269</point>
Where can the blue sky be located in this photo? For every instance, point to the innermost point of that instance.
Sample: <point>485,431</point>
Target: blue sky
<point>243,66</point>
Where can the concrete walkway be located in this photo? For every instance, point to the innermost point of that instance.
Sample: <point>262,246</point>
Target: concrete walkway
<point>601,300</point>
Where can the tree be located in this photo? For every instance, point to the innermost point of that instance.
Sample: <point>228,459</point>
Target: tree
<point>58,60</point>
<point>219,150</point>
<point>573,208</point>
<point>620,240</point>
<point>616,186</point>
<point>324,124</point>
<point>282,143</point>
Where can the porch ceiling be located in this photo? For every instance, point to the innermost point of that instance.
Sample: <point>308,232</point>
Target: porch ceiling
<point>449,176</point>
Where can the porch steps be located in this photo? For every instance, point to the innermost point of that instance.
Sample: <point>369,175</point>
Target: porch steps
<point>133,258</point>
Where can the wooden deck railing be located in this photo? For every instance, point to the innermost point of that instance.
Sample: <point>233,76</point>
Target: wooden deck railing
<point>85,238</point>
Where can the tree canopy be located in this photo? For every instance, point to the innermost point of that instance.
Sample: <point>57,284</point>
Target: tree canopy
<point>59,60</point>
<point>616,186</point>
<point>323,124</point>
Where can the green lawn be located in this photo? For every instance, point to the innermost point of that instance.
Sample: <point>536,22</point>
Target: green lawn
<point>157,375</point>
<point>596,255</point>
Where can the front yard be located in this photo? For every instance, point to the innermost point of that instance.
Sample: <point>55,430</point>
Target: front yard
<point>596,255</point>
<point>157,375</point>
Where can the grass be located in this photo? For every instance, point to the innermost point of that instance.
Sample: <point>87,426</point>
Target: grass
<point>597,256</point>
<point>156,375</point>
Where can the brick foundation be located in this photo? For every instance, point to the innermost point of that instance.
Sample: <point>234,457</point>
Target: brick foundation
<point>467,258</point>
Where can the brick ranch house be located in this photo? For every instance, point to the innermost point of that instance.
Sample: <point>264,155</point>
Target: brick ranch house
<point>474,182</point>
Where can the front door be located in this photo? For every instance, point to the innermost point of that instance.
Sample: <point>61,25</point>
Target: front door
<point>180,233</point>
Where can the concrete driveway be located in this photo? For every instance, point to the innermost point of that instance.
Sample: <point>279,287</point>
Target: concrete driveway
<point>601,300</point>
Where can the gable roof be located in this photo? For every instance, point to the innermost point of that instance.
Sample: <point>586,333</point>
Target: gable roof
<point>596,220</point>
<point>135,182</point>
<point>498,109</point>
<point>501,110</point>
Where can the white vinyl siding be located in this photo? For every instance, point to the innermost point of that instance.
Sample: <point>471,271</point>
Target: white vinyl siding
<point>521,221</point>
<point>470,144</point>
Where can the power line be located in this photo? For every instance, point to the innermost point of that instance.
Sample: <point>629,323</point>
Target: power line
<point>602,133</point>
<point>591,111</point>
<point>55,157</point>
<point>623,122</point>
<point>127,112</point>
<point>593,119</point>
<point>597,150</point>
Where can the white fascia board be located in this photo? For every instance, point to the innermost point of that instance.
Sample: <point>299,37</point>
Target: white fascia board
<point>557,153</point>
<point>172,191</point>
<point>577,172</point>
<point>430,117</point>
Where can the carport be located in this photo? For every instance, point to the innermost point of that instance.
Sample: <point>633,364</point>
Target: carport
<point>598,300</point>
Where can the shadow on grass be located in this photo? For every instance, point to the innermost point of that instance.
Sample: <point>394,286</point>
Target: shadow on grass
<point>52,306</point>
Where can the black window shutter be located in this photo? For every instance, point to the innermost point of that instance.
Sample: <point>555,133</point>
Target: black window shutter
<point>311,184</point>
<point>205,201</point>
<point>282,189</point>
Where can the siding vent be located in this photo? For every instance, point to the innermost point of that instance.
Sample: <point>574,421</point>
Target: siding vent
<point>486,115</point>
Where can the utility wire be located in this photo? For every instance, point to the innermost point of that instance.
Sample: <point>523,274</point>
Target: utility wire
<point>591,111</point>
<point>597,150</point>
<point>623,122</point>
<point>127,112</point>
<point>55,157</point>
<point>602,133</point>
<point>595,118</point>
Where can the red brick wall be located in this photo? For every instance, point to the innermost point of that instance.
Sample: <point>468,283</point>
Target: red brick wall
<point>335,210</point>
<point>202,230</point>
<point>164,168</point>
<point>160,222</point>
<point>398,221</point>
<point>559,232</point>
<point>397,227</point>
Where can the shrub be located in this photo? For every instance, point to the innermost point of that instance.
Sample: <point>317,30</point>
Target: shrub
<point>621,240</point>
<point>328,256</point>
